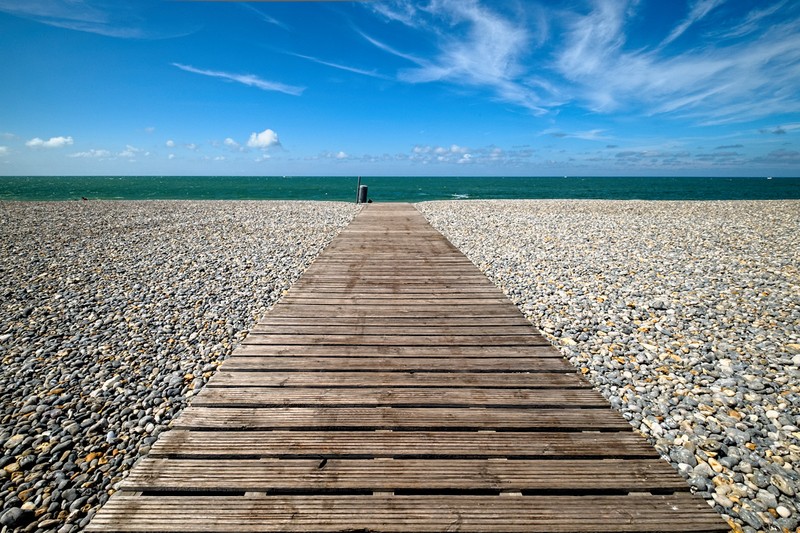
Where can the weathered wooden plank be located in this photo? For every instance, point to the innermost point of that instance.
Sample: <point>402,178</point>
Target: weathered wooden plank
<point>466,352</point>
<point>388,330</point>
<point>400,418</point>
<point>322,310</point>
<point>408,321</point>
<point>400,397</point>
<point>311,378</point>
<point>397,340</point>
<point>399,444</point>
<point>395,293</point>
<point>399,514</point>
<point>390,301</point>
<point>255,475</point>
<point>395,364</point>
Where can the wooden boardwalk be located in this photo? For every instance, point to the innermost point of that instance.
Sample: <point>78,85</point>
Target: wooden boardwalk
<point>394,388</point>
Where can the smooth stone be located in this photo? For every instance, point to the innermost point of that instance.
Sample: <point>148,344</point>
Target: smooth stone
<point>751,518</point>
<point>782,484</point>
<point>14,517</point>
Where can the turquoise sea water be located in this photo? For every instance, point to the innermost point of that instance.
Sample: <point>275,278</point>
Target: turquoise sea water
<point>392,189</point>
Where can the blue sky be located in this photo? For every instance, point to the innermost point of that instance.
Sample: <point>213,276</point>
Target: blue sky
<point>429,87</point>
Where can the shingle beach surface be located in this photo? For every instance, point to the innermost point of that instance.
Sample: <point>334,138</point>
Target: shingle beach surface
<point>686,315</point>
<point>112,316</point>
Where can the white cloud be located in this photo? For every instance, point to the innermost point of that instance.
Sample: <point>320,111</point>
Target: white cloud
<point>341,155</point>
<point>245,79</point>
<point>8,136</point>
<point>717,82</point>
<point>53,142</point>
<point>92,154</point>
<point>363,72</point>
<point>230,142</point>
<point>752,23</point>
<point>699,10</point>
<point>265,139</point>
<point>126,20</point>
<point>150,129</point>
<point>3,150</point>
<point>191,146</point>
<point>171,156</point>
<point>132,151</point>
<point>489,54</point>
<point>266,18</point>
<point>170,143</point>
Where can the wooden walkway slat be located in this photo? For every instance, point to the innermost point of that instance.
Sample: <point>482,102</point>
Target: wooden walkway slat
<point>399,514</point>
<point>389,475</point>
<point>487,380</point>
<point>398,397</point>
<point>401,444</point>
<point>397,340</point>
<point>452,365</point>
<point>399,419</point>
<point>395,389</point>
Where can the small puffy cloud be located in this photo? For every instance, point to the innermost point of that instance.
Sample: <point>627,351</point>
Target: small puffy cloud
<point>3,150</point>
<point>52,142</point>
<point>170,143</point>
<point>171,156</point>
<point>149,129</point>
<point>92,154</point>
<point>132,151</point>
<point>191,146</point>
<point>264,140</point>
<point>341,155</point>
<point>230,142</point>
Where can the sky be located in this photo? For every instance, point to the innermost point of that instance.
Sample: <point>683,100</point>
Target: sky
<point>428,87</point>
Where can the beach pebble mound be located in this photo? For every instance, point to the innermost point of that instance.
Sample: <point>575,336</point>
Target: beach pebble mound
<point>112,316</point>
<point>685,315</point>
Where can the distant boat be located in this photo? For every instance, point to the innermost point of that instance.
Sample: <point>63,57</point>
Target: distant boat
<point>769,177</point>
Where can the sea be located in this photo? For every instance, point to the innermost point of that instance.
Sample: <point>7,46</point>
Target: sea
<point>393,189</point>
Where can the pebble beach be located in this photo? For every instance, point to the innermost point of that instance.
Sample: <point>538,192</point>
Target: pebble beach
<point>685,315</point>
<point>112,316</point>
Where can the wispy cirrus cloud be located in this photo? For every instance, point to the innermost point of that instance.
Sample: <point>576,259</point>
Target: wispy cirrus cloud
<point>264,17</point>
<point>245,79</point>
<point>699,10</point>
<point>753,22</point>
<point>125,20</point>
<point>710,82</point>
<point>591,55</point>
<point>355,70</point>
<point>482,49</point>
